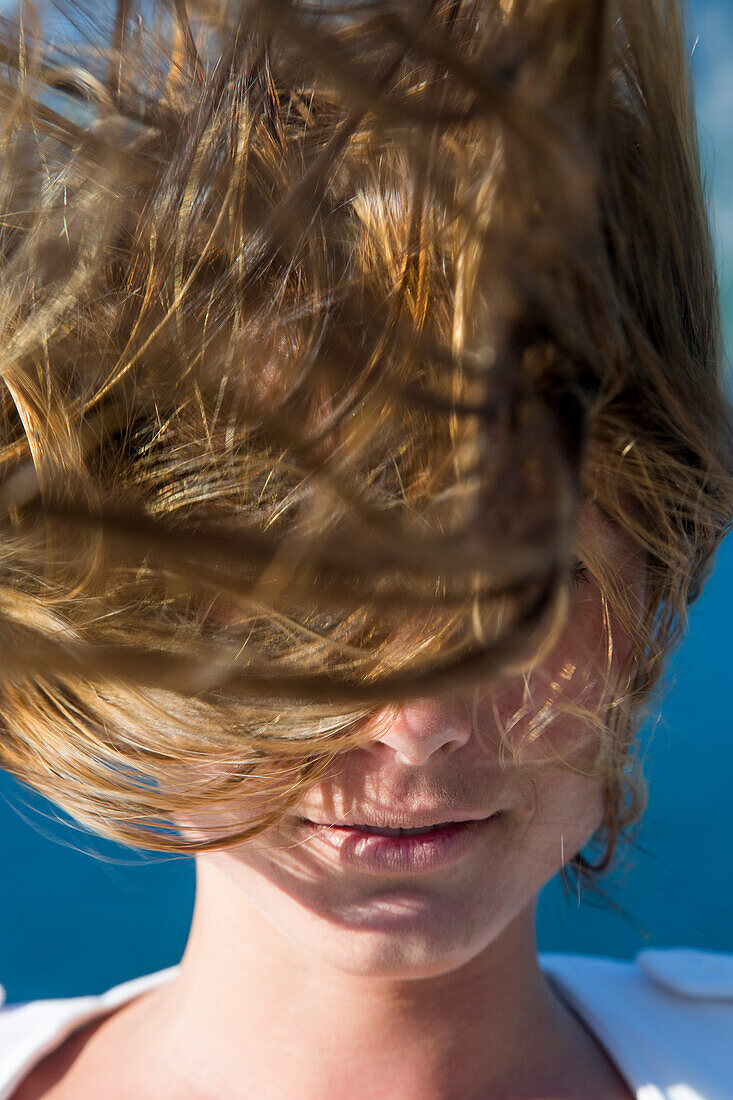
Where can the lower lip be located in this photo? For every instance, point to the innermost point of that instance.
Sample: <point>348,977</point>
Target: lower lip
<point>400,855</point>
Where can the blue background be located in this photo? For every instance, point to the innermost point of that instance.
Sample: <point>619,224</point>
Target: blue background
<point>79,921</point>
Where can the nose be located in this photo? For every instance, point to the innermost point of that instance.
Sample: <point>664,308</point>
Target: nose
<point>422,727</point>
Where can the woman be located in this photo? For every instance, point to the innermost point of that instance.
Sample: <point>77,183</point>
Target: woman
<point>364,445</point>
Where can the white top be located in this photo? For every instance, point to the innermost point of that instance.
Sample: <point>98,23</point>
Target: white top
<point>665,1020</point>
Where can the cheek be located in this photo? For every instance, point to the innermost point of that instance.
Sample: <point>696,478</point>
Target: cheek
<point>557,706</point>
<point>566,811</point>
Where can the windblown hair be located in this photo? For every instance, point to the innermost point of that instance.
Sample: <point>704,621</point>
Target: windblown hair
<point>319,321</point>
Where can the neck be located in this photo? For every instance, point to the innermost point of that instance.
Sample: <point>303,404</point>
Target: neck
<point>251,1014</point>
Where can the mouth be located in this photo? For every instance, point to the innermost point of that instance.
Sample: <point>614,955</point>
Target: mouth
<point>400,850</point>
<point>395,830</point>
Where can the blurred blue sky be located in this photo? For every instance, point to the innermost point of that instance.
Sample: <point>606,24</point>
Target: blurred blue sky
<point>711,39</point>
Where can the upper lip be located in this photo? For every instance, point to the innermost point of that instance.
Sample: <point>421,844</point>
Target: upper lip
<point>420,820</point>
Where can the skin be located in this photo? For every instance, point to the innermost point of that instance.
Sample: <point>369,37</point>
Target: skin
<point>304,978</point>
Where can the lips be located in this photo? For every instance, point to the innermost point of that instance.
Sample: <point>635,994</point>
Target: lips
<point>394,824</point>
<point>396,831</point>
<point>376,850</point>
<point>401,832</point>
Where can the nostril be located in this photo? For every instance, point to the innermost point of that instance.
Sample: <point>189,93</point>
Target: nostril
<point>422,727</point>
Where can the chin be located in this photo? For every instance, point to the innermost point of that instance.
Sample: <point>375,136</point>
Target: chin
<point>396,956</point>
<point>399,933</point>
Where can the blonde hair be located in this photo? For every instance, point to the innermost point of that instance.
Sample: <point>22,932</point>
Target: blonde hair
<point>318,322</point>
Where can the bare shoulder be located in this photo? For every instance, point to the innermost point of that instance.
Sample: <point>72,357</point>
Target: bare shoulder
<point>44,1080</point>
<point>103,1057</point>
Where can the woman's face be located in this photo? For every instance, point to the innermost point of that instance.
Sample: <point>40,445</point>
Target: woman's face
<point>438,760</point>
